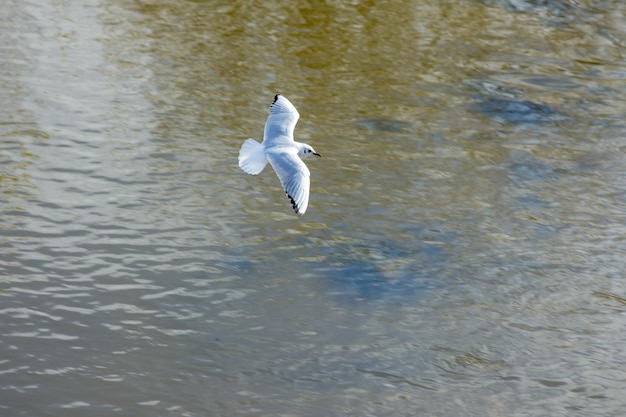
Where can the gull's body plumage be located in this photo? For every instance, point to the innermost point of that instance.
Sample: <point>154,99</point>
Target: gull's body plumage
<point>282,152</point>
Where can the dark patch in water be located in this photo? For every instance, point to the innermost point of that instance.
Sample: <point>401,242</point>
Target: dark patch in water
<point>389,270</point>
<point>519,111</point>
<point>527,167</point>
<point>384,125</point>
<point>529,5</point>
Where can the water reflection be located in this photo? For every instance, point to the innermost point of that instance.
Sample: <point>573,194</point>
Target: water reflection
<point>515,111</point>
<point>18,129</point>
<point>400,270</point>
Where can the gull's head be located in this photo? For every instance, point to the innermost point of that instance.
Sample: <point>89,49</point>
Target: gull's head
<point>306,150</point>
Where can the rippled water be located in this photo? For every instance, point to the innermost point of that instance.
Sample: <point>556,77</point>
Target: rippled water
<point>463,253</point>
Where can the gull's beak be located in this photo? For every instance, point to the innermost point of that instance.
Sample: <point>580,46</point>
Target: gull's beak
<point>316,154</point>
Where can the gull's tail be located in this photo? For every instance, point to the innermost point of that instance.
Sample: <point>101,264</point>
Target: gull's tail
<point>252,157</point>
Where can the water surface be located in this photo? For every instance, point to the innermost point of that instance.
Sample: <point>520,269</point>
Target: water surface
<point>462,254</point>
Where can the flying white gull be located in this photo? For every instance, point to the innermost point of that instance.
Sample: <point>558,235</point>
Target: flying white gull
<point>282,152</point>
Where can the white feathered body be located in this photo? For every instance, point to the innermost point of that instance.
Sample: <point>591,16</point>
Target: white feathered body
<point>282,152</point>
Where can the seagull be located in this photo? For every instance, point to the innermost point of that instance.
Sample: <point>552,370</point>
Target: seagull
<point>282,152</point>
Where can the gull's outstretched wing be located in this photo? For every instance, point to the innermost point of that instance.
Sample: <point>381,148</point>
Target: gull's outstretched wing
<point>281,122</point>
<point>294,177</point>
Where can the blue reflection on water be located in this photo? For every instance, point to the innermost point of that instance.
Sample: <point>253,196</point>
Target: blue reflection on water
<point>388,270</point>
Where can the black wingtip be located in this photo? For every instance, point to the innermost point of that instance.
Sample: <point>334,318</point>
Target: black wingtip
<point>294,205</point>
<point>275,98</point>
